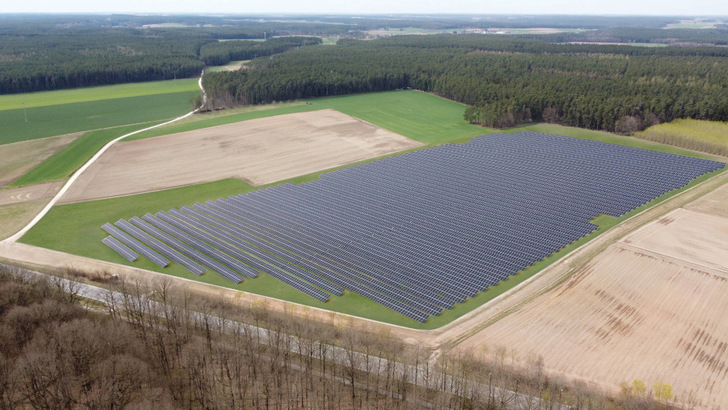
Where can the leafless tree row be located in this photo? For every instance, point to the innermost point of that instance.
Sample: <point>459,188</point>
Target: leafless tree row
<point>159,346</point>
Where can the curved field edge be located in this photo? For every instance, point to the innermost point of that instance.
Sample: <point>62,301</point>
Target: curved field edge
<point>75,229</point>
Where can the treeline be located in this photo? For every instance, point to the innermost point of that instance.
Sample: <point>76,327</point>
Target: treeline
<point>37,55</point>
<point>222,52</point>
<point>157,346</point>
<point>83,57</point>
<point>506,80</point>
<point>643,35</point>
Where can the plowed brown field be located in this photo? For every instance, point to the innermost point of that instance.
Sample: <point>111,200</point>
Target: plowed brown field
<point>651,307</point>
<point>258,151</point>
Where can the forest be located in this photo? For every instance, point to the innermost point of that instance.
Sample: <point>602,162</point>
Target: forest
<point>146,346</point>
<point>506,80</point>
<point>39,56</point>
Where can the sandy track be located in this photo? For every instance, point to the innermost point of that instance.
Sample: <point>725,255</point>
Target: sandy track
<point>18,158</point>
<point>651,307</point>
<point>258,151</point>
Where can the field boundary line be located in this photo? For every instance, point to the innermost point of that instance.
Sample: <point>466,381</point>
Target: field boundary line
<point>93,159</point>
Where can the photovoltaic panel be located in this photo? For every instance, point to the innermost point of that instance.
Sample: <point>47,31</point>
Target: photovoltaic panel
<point>160,247</point>
<point>120,248</point>
<point>422,231</point>
<point>134,244</point>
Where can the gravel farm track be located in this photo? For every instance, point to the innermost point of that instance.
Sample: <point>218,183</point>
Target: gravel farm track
<point>549,305</point>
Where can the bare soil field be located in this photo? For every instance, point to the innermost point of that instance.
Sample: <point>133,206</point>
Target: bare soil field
<point>677,235</point>
<point>29,193</point>
<point>258,151</point>
<point>714,203</point>
<point>651,307</point>
<point>19,157</point>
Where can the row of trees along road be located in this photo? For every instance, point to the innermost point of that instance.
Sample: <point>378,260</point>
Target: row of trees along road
<point>150,349</point>
<point>506,80</point>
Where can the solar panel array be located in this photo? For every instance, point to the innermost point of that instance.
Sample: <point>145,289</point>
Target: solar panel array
<point>422,231</point>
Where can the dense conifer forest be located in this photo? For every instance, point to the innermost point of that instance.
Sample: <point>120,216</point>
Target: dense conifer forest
<point>506,80</point>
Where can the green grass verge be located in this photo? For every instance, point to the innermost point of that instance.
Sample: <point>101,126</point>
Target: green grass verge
<point>62,119</point>
<point>108,92</point>
<point>417,115</point>
<point>71,157</point>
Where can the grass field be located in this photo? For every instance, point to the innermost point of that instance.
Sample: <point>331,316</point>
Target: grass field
<point>417,115</point>
<point>108,92</point>
<point>233,65</point>
<point>67,160</point>
<point>705,136</point>
<point>62,119</point>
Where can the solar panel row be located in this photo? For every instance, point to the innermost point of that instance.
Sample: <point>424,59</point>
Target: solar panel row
<point>134,244</point>
<point>120,248</point>
<point>420,232</point>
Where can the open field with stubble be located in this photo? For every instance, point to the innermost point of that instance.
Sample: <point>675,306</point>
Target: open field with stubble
<point>648,308</point>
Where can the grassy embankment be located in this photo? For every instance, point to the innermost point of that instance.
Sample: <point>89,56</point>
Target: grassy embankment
<point>417,115</point>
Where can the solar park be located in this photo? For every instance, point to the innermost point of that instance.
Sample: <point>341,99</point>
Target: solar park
<point>418,232</point>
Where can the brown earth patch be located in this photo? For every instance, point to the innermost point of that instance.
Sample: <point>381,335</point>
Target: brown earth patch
<point>258,151</point>
<point>633,316</point>
<point>29,193</point>
<point>715,203</point>
<point>690,236</point>
<point>20,157</point>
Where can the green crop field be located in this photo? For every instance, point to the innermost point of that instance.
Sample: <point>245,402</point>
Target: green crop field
<point>417,115</point>
<point>110,92</point>
<point>71,157</point>
<point>705,136</point>
<point>62,119</point>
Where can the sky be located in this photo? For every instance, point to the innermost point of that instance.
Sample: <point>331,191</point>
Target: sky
<point>594,7</point>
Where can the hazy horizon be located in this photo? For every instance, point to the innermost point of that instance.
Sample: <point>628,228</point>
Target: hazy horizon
<point>698,8</point>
